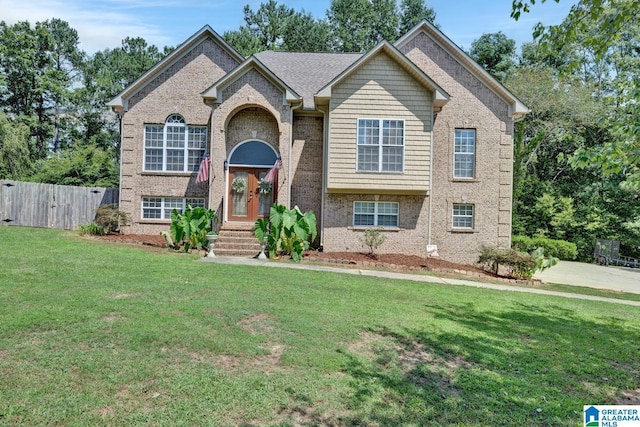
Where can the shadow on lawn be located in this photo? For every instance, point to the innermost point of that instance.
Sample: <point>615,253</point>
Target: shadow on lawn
<point>520,366</point>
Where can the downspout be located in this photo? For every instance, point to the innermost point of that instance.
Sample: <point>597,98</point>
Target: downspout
<point>121,126</point>
<point>430,181</point>
<point>325,168</point>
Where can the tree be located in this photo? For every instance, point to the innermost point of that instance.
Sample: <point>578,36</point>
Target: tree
<point>358,25</point>
<point>24,62</point>
<point>88,166</point>
<point>304,33</point>
<point>66,58</point>
<point>278,27</point>
<point>14,152</point>
<point>496,53</point>
<point>604,28</point>
<point>413,12</point>
<point>40,65</point>
<point>244,41</point>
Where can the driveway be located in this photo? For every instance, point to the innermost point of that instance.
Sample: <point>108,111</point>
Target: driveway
<point>593,276</point>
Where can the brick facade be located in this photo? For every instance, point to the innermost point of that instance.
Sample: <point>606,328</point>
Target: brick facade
<point>472,106</point>
<point>250,103</point>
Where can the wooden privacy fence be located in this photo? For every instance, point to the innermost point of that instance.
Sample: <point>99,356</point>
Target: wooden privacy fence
<point>51,206</point>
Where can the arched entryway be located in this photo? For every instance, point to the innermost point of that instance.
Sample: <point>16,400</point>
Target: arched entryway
<point>251,189</point>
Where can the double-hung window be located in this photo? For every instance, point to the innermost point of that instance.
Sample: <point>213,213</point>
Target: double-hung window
<point>375,214</point>
<point>174,147</point>
<point>462,216</point>
<point>160,207</point>
<point>464,153</point>
<point>380,145</point>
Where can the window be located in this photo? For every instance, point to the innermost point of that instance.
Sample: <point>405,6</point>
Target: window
<point>174,147</point>
<point>161,207</point>
<point>463,216</point>
<point>464,153</point>
<point>380,145</point>
<point>375,214</point>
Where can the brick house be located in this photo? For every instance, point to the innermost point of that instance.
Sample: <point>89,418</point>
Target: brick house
<point>414,137</point>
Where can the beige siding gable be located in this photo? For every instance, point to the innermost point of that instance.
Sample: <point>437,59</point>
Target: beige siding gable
<point>380,88</point>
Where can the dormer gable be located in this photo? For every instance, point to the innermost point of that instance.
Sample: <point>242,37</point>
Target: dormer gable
<point>213,94</point>
<point>440,96</point>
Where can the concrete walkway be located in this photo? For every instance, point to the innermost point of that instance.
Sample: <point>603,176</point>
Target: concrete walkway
<point>412,277</point>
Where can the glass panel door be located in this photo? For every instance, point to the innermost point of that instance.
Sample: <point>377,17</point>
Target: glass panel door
<point>239,193</point>
<point>265,195</point>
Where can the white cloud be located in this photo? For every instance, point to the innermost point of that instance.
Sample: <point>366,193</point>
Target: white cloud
<point>98,27</point>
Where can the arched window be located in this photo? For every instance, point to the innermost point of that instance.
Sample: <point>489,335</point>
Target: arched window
<point>253,153</point>
<point>174,147</point>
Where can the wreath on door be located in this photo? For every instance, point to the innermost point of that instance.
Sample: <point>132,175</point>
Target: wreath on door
<point>239,185</point>
<point>264,187</point>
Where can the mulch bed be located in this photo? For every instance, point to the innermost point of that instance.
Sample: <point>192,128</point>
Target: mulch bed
<point>396,262</point>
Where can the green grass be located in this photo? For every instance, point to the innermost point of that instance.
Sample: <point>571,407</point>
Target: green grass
<point>99,334</point>
<point>583,290</point>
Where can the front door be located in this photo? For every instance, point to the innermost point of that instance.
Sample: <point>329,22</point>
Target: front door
<point>249,199</point>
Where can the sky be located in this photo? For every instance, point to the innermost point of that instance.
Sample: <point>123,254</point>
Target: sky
<point>103,24</point>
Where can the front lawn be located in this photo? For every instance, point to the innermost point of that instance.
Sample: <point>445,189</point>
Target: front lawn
<point>94,333</point>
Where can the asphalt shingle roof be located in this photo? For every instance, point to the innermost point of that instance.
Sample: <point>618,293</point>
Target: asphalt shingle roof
<point>307,72</point>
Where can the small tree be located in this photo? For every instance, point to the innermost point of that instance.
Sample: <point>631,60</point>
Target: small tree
<point>372,239</point>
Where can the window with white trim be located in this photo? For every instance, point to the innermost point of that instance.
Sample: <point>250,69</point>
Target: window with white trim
<point>174,147</point>
<point>464,153</point>
<point>160,207</point>
<point>375,214</point>
<point>462,216</point>
<point>380,145</point>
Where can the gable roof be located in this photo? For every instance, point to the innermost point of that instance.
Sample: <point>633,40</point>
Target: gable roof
<point>440,98</point>
<point>252,63</point>
<point>119,102</point>
<point>516,108</point>
<point>307,72</point>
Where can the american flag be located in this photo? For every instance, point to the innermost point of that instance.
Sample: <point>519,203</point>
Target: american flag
<point>273,172</point>
<point>203,171</point>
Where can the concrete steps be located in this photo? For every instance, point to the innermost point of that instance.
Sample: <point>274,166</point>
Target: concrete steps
<point>237,239</point>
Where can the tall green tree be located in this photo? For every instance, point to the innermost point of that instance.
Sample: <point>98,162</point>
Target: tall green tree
<point>413,12</point>
<point>65,62</point>
<point>15,162</point>
<point>24,63</point>
<point>275,26</point>
<point>358,25</point>
<point>496,53</point>
<point>39,64</point>
<point>607,32</point>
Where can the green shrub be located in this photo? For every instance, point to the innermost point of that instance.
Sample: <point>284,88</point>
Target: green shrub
<point>520,264</point>
<point>190,228</point>
<point>111,218</point>
<point>91,228</point>
<point>552,248</point>
<point>288,230</point>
